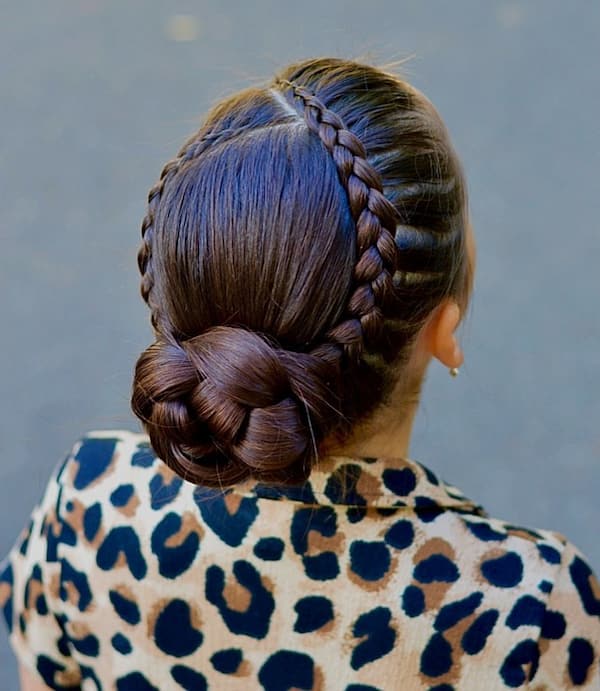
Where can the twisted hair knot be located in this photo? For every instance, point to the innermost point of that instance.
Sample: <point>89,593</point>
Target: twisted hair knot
<point>231,398</point>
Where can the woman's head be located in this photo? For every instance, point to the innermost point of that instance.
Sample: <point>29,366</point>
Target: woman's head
<point>291,254</point>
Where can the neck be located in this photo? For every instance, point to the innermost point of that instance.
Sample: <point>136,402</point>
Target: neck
<point>386,434</point>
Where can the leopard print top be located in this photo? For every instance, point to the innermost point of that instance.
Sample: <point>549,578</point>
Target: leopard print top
<point>373,575</point>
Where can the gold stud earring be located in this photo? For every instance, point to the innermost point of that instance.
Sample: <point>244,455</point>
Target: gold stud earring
<point>454,371</point>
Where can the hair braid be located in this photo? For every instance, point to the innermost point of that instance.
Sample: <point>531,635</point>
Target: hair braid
<point>283,308</point>
<point>375,218</point>
<point>144,255</point>
<point>145,251</point>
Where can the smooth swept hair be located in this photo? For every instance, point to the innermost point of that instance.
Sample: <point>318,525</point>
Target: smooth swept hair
<point>290,254</point>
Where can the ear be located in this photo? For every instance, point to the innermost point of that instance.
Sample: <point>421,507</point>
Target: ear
<point>439,334</point>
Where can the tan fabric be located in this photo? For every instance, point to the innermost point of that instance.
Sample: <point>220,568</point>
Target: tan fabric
<point>374,575</point>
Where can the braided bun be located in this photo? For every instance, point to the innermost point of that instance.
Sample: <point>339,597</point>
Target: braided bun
<point>291,252</point>
<point>229,404</point>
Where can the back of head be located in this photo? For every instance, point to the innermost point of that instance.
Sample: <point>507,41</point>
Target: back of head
<point>291,252</point>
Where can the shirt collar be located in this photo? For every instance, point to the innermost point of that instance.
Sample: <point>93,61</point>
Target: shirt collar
<point>361,482</point>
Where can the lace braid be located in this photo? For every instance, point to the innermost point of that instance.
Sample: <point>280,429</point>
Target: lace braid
<point>375,218</point>
<point>170,169</point>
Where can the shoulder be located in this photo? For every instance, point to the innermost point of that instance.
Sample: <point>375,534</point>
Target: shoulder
<point>109,465</point>
<point>114,478</point>
<point>100,454</point>
<point>110,490</point>
<point>542,595</point>
<point>524,598</point>
<point>111,493</point>
<point>509,555</point>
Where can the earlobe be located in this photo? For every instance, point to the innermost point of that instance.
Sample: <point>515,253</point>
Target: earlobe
<point>444,345</point>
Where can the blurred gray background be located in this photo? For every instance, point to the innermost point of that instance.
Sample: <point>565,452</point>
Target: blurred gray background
<point>97,94</point>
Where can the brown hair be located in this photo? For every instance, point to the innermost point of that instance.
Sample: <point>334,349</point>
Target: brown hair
<point>291,252</point>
